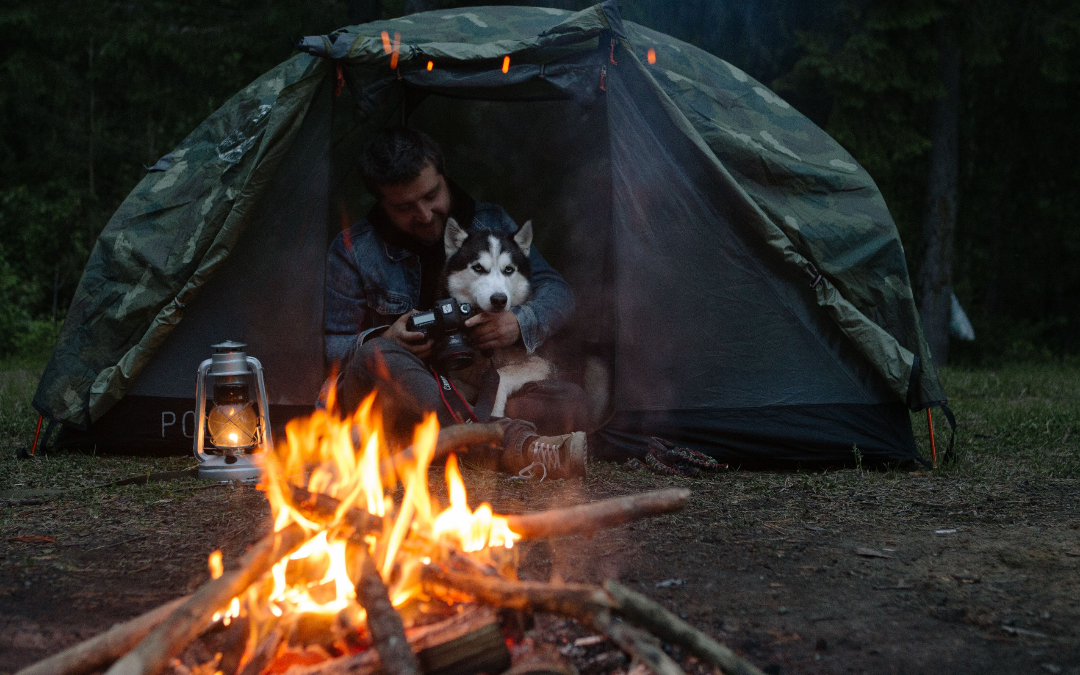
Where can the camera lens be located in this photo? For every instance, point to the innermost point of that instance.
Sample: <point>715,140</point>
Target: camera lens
<point>454,353</point>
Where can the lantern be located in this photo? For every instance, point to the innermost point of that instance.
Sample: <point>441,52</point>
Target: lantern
<point>237,424</point>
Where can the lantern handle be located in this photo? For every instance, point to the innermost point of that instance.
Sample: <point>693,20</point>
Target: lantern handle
<point>200,409</point>
<point>267,443</point>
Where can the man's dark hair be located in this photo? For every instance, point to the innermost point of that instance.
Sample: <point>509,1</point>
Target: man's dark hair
<point>398,155</point>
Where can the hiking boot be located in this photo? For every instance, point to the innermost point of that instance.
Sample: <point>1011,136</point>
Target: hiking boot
<point>548,457</point>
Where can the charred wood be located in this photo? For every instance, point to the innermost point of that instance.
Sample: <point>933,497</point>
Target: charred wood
<point>384,623</point>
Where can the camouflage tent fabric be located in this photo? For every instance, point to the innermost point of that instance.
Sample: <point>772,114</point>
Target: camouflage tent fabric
<point>799,194</point>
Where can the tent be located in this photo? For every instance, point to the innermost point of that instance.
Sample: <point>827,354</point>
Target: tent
<point>738,274</point>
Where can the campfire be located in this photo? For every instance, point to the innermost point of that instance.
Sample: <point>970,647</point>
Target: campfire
<point>365,572</point>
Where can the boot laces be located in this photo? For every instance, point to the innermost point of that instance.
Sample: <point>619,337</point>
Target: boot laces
<point>547,453</point>
<point>544,455</point>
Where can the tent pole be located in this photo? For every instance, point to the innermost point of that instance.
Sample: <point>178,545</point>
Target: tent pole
<point>933,445</point>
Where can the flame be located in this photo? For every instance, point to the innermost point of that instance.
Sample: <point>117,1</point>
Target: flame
<point>506,64</point>
<point>651,56</point>
<point>430,65</point>
<point>386,42</point>
<point>471,531</point>
<point>396,50</point>
<point>214,562</point>
<point>348,458</point>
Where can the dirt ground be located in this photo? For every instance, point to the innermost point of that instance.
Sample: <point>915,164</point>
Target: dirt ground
<point>836,572</point>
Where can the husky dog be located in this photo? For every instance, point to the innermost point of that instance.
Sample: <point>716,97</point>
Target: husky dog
<point>491,271</point>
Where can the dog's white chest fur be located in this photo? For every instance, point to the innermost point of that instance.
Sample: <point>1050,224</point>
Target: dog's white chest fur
<point>487,274</point>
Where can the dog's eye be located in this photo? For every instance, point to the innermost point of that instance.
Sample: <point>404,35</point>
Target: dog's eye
<point>479,269</point>
<point>508,270</point>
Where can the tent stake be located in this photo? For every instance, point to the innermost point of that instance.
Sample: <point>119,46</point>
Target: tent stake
<point>933,445</point>
<point>37,432</point>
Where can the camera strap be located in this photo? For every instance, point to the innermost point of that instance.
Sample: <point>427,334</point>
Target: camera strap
<point>447,387</point>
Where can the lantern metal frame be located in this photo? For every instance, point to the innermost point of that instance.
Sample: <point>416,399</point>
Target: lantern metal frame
<point>232,466</point>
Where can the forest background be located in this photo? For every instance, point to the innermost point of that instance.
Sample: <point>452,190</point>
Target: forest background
<point>958,108</point>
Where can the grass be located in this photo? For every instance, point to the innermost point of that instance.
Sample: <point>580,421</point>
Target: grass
<point>18,420</point>
<point>1016,422</point>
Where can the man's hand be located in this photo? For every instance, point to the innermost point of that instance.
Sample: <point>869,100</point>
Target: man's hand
<point>415,342</point>
<point>493,330</point>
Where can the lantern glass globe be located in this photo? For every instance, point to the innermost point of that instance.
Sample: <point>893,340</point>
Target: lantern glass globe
<point>233,425</point>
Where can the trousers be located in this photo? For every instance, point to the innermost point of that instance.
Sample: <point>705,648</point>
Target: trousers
<point>407,390</point>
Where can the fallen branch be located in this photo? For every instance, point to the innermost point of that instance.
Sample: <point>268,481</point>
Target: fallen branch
<point>101,650</point>
<point>588,518</point>
<point>384,623</point>
<point>191,618</point>
<point>651,615</point>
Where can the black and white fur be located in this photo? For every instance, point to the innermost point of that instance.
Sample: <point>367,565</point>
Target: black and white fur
<point>491,270</point>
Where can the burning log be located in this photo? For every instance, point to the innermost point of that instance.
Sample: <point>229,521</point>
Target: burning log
<point>101,650</point>
<point>324,507</point>
<point>579,601</point>
<point>264,653</point>
<point>186,622</point>
<point>588,518</point>
<point>590,605</point>
<point>422,641</point>
<point>384,624</point>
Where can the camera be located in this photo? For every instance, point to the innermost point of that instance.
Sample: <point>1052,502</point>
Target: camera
<point>446,325</point>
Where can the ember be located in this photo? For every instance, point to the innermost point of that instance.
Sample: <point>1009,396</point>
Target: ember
<point>353,580</point>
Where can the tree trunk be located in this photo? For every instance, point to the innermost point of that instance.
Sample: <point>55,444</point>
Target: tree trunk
<point>939,221</point>
<point>90,78</point>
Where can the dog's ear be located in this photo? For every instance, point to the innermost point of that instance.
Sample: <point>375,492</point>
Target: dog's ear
<point>453,237</point>
<point>523,237</point>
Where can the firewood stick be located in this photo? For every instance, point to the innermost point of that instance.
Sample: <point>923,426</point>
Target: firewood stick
<point>324,506</point>
<point>384,623</point>
<point>101,650</point>
<point>588,518</point>
<point>450,438</point>
<point>580,601</point>
<point>587,604</point>
<point>421,638</point>
<point>651,615</point>
<point>637,643</point>
<point>191,618</point>
<point>264,653</point>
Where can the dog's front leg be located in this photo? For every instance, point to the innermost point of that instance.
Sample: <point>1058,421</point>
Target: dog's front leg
<point>515,376</point>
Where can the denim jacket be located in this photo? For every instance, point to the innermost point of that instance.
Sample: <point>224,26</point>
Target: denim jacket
<point>371,282</point>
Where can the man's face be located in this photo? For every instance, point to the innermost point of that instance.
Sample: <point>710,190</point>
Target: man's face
<point>420,207</point>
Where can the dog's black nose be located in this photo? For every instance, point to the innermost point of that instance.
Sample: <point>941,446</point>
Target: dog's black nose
<point>498,301</point>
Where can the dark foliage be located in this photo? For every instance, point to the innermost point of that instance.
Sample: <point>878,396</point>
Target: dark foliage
<point>91,92</point>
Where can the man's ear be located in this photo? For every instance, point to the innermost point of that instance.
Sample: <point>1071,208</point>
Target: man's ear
<point>453,237</point>
<point>523,237</point>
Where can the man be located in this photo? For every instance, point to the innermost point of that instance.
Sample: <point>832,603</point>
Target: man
<point>388,266</point>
